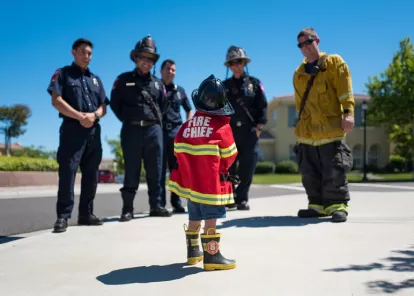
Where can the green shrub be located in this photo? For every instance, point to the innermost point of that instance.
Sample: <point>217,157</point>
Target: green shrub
<point>396,163</point>
<point>265,167</point>
<point>287,167</point>
<point>27,164</point>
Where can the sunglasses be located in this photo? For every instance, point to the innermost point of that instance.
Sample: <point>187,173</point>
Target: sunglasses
<point>145,59</point>
<point>235,62</point>
<point>306,42</point>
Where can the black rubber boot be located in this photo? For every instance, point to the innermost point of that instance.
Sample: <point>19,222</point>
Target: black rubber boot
<point>194,254</point>
<point>213,260</point>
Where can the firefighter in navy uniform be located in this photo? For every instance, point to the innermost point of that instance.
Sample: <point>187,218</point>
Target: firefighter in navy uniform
<point>176,97</point>
<point>137,99</point>
<point>79,96</point>
<point>246,94</point>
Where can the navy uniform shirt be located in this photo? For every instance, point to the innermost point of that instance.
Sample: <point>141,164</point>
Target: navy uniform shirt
<point>127,97</point>
<point>251,91</point>
<point>83,91</point>
<point>176,97</point>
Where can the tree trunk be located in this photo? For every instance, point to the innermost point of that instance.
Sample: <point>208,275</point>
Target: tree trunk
<point>7,142</point>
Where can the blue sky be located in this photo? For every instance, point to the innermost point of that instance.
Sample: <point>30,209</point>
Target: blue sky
<point>37,37</point>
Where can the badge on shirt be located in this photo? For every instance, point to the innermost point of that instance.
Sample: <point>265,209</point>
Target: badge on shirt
<point>178,95</point>
<point>157,86</point>
<point>95,81</point>
<point>250,87</point>
<point>130,84</point>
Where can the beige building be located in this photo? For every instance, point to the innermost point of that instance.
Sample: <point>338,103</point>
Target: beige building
<point>278,139</point>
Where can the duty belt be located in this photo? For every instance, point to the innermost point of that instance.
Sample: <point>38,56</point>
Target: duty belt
<point>242,123</point>
<point>169,126</point>
<point>143,122</point>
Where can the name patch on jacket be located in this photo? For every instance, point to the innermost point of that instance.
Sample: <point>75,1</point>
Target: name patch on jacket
<point>198,127</point>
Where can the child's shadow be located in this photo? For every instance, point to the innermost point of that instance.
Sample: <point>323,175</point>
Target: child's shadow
<point>271,221</point>
<point>148,274</point>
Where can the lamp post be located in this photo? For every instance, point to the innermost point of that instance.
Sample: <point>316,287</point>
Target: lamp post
<point>364,107</point>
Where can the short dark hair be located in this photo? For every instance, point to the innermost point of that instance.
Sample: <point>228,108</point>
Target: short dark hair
<point>167,61</point>
<point>308,32</point>
<point>80,42</point>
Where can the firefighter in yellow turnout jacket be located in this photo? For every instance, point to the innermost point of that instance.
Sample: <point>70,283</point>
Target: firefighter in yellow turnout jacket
<point>326,114</point>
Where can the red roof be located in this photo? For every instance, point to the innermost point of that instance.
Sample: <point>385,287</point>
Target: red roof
<point>13,146</point>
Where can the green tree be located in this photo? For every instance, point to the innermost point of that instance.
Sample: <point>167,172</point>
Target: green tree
<point>39,152</point>
<point>116,150</point>
<point>392,97</point>
<point>13,119</point>
<point>403,139</point>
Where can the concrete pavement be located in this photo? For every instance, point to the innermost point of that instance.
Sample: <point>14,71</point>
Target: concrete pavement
<point>276,253</point>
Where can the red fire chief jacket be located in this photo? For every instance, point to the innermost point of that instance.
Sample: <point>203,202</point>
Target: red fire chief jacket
<point>204,147</point>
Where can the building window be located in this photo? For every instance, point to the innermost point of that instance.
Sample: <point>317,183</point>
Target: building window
<point>292,155</point>
<point>357,155</point>
<point>274,115</point>
<point>373,155</point>
<point>292,116</point>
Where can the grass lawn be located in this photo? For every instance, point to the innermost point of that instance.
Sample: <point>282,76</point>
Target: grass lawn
<point>352,177</point>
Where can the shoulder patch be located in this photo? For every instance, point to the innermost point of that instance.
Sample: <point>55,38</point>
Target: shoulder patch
<point>55,75</point>
<point>115,83</point>
<point>261,87</point>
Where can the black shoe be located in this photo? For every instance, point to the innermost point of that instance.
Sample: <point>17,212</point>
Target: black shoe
<point>310,213</point>
<point>231,206</point>
<point>339,216</point>
<point>243,206</point>
<point>90,220</point>
<point>178,210</point>
<point>160,212</point>
<point>61,225</point>
<point>125,217</point>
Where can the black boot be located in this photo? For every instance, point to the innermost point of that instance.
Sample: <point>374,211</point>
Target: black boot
<point>61,225</point>
<point>213,260</point>
<point>127,216</point>
<point>194,254</point>
<point>339,216</point>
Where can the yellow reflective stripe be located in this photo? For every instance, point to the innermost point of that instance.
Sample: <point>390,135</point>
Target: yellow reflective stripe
<point>345,96</point>
<point>197,149</point>
<point>319,142</point>
<point>336,207</point>
<point>229,151</point>
<point>317,208</point>
<point>194,242</point>
<point>202,198</point>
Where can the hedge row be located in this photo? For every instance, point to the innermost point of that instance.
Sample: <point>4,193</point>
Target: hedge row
<point>283,167</point>
<point>50,165</point>
<point>13,163</point>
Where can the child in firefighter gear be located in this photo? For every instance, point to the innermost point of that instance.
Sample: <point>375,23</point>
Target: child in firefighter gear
<point>325,102</point>
<point>205,149</point>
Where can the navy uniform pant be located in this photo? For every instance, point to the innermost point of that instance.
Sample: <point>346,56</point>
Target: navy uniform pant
<point>245,163</point>
<point>169,160</point>
<point>141,143</point>
<point>78,147</point>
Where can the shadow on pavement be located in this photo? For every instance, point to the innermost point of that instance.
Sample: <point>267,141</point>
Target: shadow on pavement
<point>8,239</point>
<point>148,274</point>
<point>403,261</point>
<point>271,221</point>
